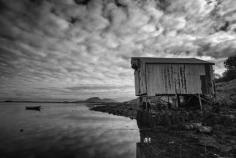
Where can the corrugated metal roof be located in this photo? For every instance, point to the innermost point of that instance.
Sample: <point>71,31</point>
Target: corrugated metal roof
<point>171,60</point>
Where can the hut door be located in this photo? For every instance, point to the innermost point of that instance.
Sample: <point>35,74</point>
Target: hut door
<point>203,84</point>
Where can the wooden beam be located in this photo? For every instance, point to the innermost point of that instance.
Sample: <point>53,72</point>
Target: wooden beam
<point>200,101</point>
<point>177,101</point>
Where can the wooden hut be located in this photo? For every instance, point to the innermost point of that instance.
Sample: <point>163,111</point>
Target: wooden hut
<point>172,76</point>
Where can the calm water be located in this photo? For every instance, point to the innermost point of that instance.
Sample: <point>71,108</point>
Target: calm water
<point>65,130</point>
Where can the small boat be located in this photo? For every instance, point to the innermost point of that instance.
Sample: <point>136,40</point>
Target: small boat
<point>33,108</point>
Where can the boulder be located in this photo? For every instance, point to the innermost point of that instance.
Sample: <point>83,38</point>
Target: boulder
<point>205,129</point>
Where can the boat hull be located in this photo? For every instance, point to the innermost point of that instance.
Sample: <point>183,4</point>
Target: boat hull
<point>37,108</point>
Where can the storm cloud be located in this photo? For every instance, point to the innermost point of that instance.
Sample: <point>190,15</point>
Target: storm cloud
<point>73,49</point>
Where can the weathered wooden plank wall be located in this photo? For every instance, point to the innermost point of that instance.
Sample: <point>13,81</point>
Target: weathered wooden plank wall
<point>209,80</point>
<point>137,82</point>
<point>142,75</point>
<point>174,78</point>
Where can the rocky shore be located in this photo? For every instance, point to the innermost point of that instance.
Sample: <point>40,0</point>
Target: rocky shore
<point>119,109</point>
<point>211,131</point>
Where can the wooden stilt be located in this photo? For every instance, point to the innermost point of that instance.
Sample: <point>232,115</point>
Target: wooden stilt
<point>140,103</point>
<point>200,101</point>
<point>168,102</point>
<point>176,101</point>
<point>146,103</point>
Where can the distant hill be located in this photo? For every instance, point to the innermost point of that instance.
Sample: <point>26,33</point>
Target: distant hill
<point>107,100</point>
<point>99,100</point>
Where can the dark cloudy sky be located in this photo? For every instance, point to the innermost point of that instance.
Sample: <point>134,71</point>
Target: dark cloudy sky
<point>74,49</point>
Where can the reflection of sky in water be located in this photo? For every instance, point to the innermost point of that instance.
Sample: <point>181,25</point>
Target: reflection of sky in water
<point>64,130</point>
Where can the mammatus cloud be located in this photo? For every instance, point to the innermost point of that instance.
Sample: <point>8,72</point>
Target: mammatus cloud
<point>58,49</point>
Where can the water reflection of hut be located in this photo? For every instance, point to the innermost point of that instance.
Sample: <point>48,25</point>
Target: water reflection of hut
<point>173,77</point>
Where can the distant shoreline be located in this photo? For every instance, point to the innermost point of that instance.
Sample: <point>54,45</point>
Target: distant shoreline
<point>14,101</point>
<point>92,100</point>
<point>63,102</point>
